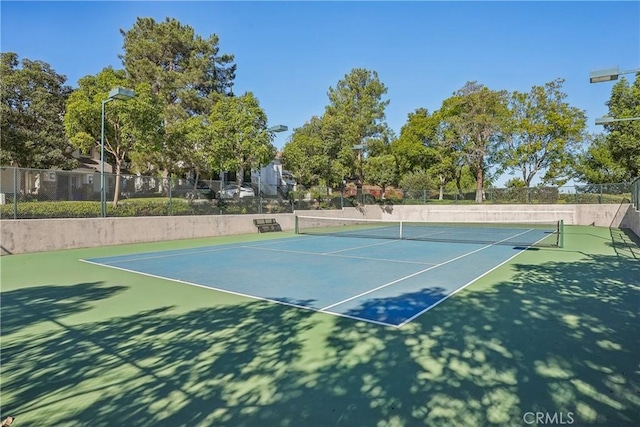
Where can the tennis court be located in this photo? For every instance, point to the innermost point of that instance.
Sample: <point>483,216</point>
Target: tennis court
<point>387,278</point>
<point>286,329</point>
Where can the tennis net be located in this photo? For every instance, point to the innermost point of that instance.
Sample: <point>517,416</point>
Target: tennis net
<point>528,233</point>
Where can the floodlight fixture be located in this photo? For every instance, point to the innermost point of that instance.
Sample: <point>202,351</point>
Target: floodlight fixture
<point>606,119</point>
<point>278,128</point>
<point>121,93</point>
<point>608,74</point>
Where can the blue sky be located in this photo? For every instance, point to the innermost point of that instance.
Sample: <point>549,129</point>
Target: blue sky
<point>289,53</point>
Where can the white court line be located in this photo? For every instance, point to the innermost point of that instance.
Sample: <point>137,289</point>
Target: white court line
<point>386,242</point>
<point>461,288</point>
<point>411,275</point>
<point>330,254</point>
<point>195,251</point>
<point>322,310</point>
<point>249,296</point>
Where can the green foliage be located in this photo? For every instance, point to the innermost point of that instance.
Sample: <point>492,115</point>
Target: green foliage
<point>316,154</point>
<point>410,149</point>
<point>88,209</point>
<point>129,126</point>
<point>623,138</point>
<point>238,135</point>
<point>541,134</point>
<point>381,170</point>
<point>471,125</point>
<point>614,156</point>
<point>188,75</point>
<point>322,150</point>
<point>596,165</point>
<point>33,103</point>
<point>515,183</point>
<point>417,180</point>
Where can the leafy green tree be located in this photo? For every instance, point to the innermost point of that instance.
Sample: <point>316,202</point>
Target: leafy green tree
<point>184,70</point>
<point>410,148</point>
<point>322,151</point>
<point>239,138</point>
<point>623,138</point>
<point>542,134</point>
<point>417,180</point>
<point>300,154</point>
<point>357,110</point>
<point>315,152</point>
<point>32,107</point>
<point>443,167</point>
<point>472,120</point>
<point>381,170</point>
<point>516,183</point>
<point>194,135</point>
<point>130,126</point>
<point>596,165</point>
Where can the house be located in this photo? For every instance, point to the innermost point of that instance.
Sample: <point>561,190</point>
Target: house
<point>81,183</point>
<point>272,180</point>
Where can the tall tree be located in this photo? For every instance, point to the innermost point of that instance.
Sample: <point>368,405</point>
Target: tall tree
<point>357,107</point>
<point>322,151</point>
<point>381,170</point>
<point>623,138</point>
<point>315,152</point>
<point>130,126</point>
<point>472,118</point>
<point>542,134</point>
<point>596,164</point>
<point>186,71</point>
<point>239,138</point>
<point>410,148</point>
<point>33,104</point>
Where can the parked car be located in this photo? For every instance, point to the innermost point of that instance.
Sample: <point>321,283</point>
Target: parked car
<point>202,190</point>
<point>232,191</point>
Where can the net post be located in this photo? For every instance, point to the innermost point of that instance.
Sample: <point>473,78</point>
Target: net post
<point>401,236</point>
<point>561,234</point>
<point>295,224</point>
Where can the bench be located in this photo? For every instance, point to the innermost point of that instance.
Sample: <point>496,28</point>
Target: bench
<point>266,224</point>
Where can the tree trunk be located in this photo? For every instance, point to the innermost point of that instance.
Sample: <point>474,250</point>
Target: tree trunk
<point>458,184</point>
<point>116,190</point>
<point>479,184</point>
<point>441,192</point>
<point>239,176</point>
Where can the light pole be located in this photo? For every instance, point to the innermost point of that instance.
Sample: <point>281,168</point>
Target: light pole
<point>272,129</point>
<point>115,93</point>
<point>359,148</point>
<point>608,75</point>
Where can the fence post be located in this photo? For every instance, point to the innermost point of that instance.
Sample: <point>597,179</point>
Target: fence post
<point>600,198</point>
<point>15,193</point>
<point>170,198</point>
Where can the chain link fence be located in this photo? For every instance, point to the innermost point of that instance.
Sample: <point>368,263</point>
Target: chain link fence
<point>36,193</point>
<point>635,193</point>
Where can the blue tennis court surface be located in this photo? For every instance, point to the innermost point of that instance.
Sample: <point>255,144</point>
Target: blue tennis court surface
<point>387,282</point>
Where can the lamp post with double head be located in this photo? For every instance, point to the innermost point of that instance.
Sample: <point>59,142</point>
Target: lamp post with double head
<point>115,93</point>
<point>608,75</point>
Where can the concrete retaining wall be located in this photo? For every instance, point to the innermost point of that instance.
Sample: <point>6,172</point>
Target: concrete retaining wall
<point>37,235</point>
<point>578,214</point>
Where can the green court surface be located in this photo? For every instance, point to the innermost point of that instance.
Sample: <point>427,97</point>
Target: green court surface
<point>552,334</point>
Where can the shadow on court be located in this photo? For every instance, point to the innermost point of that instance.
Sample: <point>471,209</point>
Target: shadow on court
<point>556,337</point>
